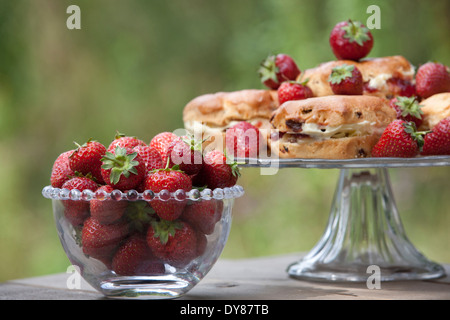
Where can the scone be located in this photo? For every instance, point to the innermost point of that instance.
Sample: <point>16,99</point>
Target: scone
<point>435,108</point>
<point>214,113</point>
<point>329,127</point>
<point>385,77</point>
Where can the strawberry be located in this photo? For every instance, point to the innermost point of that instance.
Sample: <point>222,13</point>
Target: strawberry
<point>151,157</point>
<point>432,78</point>
<point>162,142</point>
<point>123,169</point>
<point>243,140</point>
<point>292,90</point>
<point>203,215</point>
<point>401,87</point>
<point>139,214</point>
<point>351,40</point>
<point>171,180</point>
<point>100,241</point>
<point>135,258</point>
<point>86,159</point>
<point>346,80</point>
<point>124,141</point>
<point>186,154</point>
<point>437,142</point>
<point>217,172</point>
<point>61,171</point>
<point>277,69</point>
<point>407,109</point>
<point>76,211</point>
<point>399,139</point>
<point>107,211</point>
<point>174,242</point>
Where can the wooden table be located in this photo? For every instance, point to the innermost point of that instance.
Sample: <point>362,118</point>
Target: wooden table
<point>261,278</point>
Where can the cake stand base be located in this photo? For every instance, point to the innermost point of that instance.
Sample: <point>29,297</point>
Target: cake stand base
<point>364,237</point>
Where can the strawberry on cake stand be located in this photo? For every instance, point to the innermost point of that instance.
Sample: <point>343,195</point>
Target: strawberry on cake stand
<point>364,227</point>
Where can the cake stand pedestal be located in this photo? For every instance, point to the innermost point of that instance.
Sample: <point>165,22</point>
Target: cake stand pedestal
<point>364,234</point>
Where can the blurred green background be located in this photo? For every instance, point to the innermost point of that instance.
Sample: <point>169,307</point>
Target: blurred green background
<point>136,63</point>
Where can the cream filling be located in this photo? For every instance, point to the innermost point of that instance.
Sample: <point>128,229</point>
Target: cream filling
<point>380,81</point>
<point>320,132</point>
<point>195,126</point>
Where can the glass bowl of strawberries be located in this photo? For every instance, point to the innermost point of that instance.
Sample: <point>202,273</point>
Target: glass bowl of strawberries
<point>134,223</point>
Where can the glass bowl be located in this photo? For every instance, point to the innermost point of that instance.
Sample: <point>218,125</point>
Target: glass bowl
<point>117,255</point>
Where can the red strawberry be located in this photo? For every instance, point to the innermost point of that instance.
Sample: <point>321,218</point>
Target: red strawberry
<point>124,141</point>
<point>399,139</point>
<point>432,78</point>
<point>107,211</point>
<point>100,241</point>
<point>170,180</point>
<point>123,169</point>
<point>407,109</point>
<point>174,242</point>
<point>86,159</point>
<point>292,90</point>
<point>187,155</point>
<point>243,140</point>
<point>437,142</point>
<point>277,69</point>
<point>401,87</point>
<point>162,142</point>
<point>217,172</point>
<point>351,40</point>
<point>346,80</point>
<point>135,258</point>
<point>61,171</point>
<point>139,214</point>
<point>151,157</point>
<point>203,215</point>
<point>76,211</point>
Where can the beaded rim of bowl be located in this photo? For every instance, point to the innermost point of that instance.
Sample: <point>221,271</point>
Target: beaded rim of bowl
<point>53,193</point>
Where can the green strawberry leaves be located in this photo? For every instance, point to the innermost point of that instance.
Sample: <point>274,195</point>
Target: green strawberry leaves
<point>268,69</point>
<point>340,73</point>
<point>139,213</point>
<point>418,136</point>
<point>356,32</point>
<point>120,163</point>
<point>164,228</point>
<point>409,106</point>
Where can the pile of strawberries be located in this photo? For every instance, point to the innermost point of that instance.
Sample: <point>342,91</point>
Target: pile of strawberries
<point>351,40</point>
<point>138,237</point>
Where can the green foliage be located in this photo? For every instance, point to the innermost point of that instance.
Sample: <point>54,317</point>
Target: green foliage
<point>132,68</point>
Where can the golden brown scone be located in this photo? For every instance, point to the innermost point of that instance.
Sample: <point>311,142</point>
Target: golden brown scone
<point>330,127</point>
<point>383,77</point>
<point>215,112</point>
<point>435,108</point>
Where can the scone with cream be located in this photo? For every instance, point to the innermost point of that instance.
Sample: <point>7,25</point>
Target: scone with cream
<point>385,77</point>
<point>329,127</point>
<point>435,108</point>
<point>214,113</point>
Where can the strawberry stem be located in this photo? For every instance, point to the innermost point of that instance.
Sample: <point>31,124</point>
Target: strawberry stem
<point>120,164</point>
<point>356,32</point>
<point>165,228</point>
<point>340,73</point>
<point>418,136</point>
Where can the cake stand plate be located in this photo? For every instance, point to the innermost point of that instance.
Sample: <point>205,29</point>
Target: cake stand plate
<point>364,235</point>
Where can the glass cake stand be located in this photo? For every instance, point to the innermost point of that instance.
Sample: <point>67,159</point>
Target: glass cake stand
<point>364,227</point>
